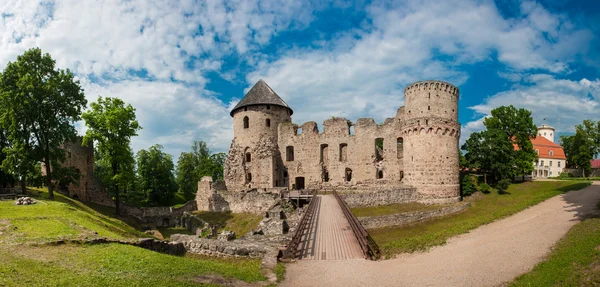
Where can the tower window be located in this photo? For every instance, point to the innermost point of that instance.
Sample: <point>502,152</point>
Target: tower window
<point>343,151</point>
<point>248,177</point>
<point>399,147</point>
<point>268,122</point>
<point>248,157</point>
<point>429,108</point>
<point>379,174</point>
<point>246,122</point>
<point>289,153</point>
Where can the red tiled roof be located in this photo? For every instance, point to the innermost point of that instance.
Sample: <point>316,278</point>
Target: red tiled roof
<point>595,163</point>
<point>544,146</point>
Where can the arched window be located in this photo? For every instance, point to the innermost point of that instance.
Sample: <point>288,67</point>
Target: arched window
<point>248,157</point>
<point>248,177</point>
<point>343,151</point>
<point>380,174</point>
<point>348,174</point>
<point>246,122</point>
<point>268,122</point>
<point>551,153</point>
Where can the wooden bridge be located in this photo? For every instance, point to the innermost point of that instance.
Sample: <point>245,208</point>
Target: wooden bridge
<point>329,231</point>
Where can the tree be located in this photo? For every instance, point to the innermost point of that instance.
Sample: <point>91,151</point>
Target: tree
<point>193,165</point>
<point>567,143</point>
<point>493,150</point>
<point>6,179</point>
<point>155,175</point>
<point>111,125</point>
<point>38,107</point>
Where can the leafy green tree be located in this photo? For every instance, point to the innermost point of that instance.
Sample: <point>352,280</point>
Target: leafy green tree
<point>38,107</point>
<point>567,143</point>
<point>582,151</point>
<point>193,165</point>
<point>493,150</point>
<point>111,125</point>
<point>6,179</point>
<point>155,175</point>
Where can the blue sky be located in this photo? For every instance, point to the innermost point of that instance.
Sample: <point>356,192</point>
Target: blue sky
<point>184,64</point>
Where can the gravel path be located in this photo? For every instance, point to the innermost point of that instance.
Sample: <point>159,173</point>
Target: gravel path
<point>487,256</point>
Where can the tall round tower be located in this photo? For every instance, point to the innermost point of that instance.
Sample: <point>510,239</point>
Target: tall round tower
<point>253,157</point>
<point>431,133</point>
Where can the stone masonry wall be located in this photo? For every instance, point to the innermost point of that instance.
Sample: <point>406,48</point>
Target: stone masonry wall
<point>257,201</point>
<point>382,197</point>
<point>194,244</point>
<point>410,217</point>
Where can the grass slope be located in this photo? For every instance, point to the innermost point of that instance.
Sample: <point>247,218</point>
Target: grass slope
<point>240,223</point>
<point>485,209</point>
<point>574,261</point>
<point>112,265</point>
<point>24,264</point>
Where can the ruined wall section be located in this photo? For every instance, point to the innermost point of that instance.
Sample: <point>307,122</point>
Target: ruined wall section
<point>212,196</point>
<point>253,160</point>
<point>431,132</point>
<point>325,159</point>
<point>89,187</point>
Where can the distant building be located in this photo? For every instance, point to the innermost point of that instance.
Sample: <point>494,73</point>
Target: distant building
<point>595,163</point>
<point>551,155</point>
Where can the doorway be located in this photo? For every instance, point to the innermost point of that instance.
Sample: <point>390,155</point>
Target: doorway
<point>299,182</point>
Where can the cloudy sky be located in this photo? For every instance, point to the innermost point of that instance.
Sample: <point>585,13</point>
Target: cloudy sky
<point>184,64</point>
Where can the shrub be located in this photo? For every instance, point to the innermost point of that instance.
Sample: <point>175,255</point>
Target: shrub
<point>467,185</point>
<point>485,188</point>
<point>502,185</point>
<point>565,175</point>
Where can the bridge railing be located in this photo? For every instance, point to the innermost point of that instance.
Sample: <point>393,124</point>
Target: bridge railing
<point>291,251</point>
<point>367,244</point>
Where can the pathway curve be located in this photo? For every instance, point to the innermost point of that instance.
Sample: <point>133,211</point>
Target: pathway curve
<point>487,256</point>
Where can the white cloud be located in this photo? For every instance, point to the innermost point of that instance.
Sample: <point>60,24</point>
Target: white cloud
<point>363,73</point>
<point>171,114</point>
<point>564,103</point>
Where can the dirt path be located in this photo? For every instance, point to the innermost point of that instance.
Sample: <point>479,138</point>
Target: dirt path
<point>487,256</point>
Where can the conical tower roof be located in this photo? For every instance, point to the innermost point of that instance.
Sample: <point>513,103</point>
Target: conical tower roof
<point>261,94</point>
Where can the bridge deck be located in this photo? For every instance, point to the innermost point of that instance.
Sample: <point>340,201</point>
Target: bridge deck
<point>329,236</point>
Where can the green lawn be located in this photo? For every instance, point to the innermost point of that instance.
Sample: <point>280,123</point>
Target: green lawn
<point>392,209</point>
<point>574,261</point>
<point>60,218</point>
<point>112,265</point>
<point>485,208</point>
<point>240,223</point>
<point>24,264</point>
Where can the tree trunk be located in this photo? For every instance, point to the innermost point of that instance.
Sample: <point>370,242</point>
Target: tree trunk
<point>115,168</point>
<point>485,178</point>
<point>23,186</point>
<point>49,178</point>
<point>523,177</point>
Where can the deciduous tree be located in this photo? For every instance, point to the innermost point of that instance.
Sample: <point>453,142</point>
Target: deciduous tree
<point>38,107</point>
<point>111,125</point>
<point>155,175</point>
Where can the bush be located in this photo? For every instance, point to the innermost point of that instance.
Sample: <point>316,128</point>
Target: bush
<point>485,188</point>
<point>502,185</point>
<point>467,185</point>
<point>565,175</point>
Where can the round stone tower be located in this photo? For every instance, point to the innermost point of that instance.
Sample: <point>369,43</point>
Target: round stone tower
<point>253,159</point>
<point>546,131</point>
<point>431,134</point>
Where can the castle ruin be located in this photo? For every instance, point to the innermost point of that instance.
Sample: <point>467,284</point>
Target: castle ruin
<point>410,157</point>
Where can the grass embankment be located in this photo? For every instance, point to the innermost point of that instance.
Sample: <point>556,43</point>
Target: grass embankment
<point>392,209</point>
<point>112,264</point>
<point>485,208</point>
<point>240,223</point>
<point>574,261</point>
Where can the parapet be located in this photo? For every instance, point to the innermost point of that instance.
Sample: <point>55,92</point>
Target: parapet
<point>432,85</point>
<point>337,126</point>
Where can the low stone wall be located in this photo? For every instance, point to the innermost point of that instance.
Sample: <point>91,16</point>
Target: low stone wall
<point>410,217</point>
<point>237,248</point>
<point>380,197</point>
<point>159,216</point>
<point>579,173</point>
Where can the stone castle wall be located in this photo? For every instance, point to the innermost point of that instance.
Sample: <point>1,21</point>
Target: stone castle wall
<point>211,196</point>
<point>88,188</point>
<point>419,149</point>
